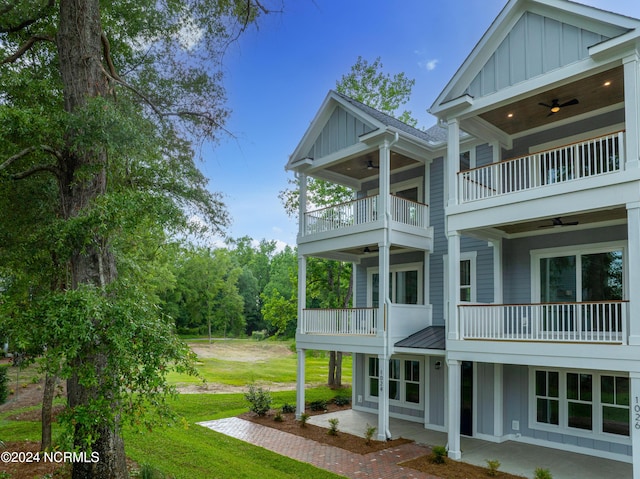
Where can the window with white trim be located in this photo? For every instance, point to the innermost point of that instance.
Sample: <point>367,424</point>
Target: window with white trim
<point>582,403</point>
<point>405,376</point>
<point>405,284</point>
<point>468,291</point>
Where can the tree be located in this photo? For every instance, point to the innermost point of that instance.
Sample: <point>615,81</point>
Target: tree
<point>369,85</point>
<point>100,103</point>
<point>280,294</point>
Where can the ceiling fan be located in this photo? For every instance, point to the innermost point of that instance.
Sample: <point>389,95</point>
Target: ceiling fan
<point>371,166</point>
<point>557,222</point>
<point>556,105</point>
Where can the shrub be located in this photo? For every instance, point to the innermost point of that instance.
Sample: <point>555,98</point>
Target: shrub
<point>333,426</point>
<point>318,405</point>
<point>278,417</point>
<point>259,400</point>
<point>303,419</point>
<point>4,384</point>
<point>493,465</point>
<point>369,432</point>
<point>438,454</point>
<point>259,335</point>
<point>541,473</point>
<point>341,400</point>
<point>288,408</point>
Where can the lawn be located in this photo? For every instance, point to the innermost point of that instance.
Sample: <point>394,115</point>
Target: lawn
<point>186,450</point>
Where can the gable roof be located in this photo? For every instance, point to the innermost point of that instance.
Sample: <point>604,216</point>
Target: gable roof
<point>357,120</point>
<point>527,39</point>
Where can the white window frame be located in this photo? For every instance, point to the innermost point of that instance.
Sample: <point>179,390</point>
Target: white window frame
<point>596,433</point>
<point>471,256</point>
<point>403,382</point>
<point>393,269</point>
<point>577,250</point>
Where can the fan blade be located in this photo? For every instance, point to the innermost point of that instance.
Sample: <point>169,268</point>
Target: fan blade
<point>570,102</point>
<point>544,104</point>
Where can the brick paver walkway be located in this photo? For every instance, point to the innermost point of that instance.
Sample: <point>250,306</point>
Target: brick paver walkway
<point>382,464</point>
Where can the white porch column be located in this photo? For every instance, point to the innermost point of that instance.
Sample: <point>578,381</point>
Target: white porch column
<point>302,203</point>
<point>632,109</point>
<point>453,426</point>
<point>454,285</point>
<point>300,381</point>
<point>453,160</point>
<point>302,293</point>
<point>383,397</point>
<point>384,206</point>
<point>633,266</point>
<point>634,378</point>
<point>497,271</point>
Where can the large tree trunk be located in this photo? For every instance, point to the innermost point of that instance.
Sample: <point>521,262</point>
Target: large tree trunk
<point>80,50</point>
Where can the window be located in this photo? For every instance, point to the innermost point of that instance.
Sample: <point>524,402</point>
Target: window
<point>373,376</point>
<point>614,393</point>
<point>404,381</point>
<point>465,280</point>
<point>547,397</point>
<point>582,403</point>
<point>405,284</point>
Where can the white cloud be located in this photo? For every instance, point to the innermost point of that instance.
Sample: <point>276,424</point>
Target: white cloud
<point>429,65</point>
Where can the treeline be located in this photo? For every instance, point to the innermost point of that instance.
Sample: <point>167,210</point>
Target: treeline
<point>247,288</point>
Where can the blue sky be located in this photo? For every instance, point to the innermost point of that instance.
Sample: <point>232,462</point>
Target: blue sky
<point>278,75</point>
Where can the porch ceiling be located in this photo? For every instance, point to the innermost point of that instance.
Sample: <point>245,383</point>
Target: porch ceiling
<point>367,166</point>
<point>591,93</point>
<point>546,225</point>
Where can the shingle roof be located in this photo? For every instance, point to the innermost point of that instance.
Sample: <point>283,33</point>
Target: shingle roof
<point>430,135</point>
<point>432,337</point>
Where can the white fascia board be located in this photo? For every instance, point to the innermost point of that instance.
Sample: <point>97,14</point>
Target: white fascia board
<point>618,47</point>
<point>481,53</point>
<point>452,107</point>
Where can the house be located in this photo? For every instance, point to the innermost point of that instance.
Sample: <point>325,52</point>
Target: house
<point>496,255</point>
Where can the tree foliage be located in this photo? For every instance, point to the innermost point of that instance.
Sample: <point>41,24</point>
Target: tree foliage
<point>100,105</point>
<point>369,85</point>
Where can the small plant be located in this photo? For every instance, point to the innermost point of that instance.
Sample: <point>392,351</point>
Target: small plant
<point>493,465</point>
<point>288,408</point>
<point>368,433</point>
<point>541,473</point>
<point>341,400</point>
<point>303,419</point>
<point>439,454</point>
<point>333,426</point>
<point>318,405</point>
<point>259,400</point>
<point>278,417</point>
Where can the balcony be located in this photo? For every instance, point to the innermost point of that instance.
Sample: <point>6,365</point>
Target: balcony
<point>363,214</point>
<point>587,322</point>
<point>590,158</point>
<point>340,322</point>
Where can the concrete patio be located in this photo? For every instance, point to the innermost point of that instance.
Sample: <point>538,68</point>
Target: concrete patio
<point>515,457</point>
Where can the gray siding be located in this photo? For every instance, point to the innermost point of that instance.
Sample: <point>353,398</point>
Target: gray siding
<point>341,130</point>
<point>436,263</point>
<point>516,408</point>
<point>484,155</point>
<point>517,256</point>
<point>534,46</point>
<point>485,398</point>
<point>436,388</point>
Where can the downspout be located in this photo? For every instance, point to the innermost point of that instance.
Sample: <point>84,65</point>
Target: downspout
<point>387,300</point>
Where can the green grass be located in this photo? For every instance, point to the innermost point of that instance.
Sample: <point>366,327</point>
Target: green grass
<point>192,451</point>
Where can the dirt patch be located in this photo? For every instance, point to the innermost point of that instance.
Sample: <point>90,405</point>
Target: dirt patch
<point>24,469</point>
<point>241,351</point>
<point>454,469</point>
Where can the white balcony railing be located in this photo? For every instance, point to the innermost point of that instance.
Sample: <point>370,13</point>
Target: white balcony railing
<point>348,321</point>
<point>596,322</point>
<point>594,157</point>
<point>364,211</point>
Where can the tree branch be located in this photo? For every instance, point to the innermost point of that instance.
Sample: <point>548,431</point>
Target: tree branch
<point>18,176</point>
<point>26,46</point>
<point>26,22</point>
<point>106,46</point>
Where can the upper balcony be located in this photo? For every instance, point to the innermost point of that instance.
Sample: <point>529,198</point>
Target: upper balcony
<point>568,164</point>
<point>364,215</point>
